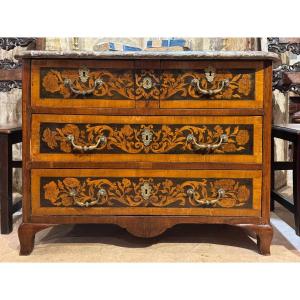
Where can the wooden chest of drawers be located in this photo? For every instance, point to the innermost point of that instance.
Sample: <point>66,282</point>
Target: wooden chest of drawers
<point>146,140</point>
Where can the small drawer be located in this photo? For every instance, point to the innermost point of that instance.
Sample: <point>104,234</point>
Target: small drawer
<point>211,84</point>
<point>83,83</point>
<point>145,192</point>
<point>86,138</point>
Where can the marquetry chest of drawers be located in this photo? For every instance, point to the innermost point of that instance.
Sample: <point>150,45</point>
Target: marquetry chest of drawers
<point>146,140</point>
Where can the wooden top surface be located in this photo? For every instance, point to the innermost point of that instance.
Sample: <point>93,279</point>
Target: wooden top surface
<point>295,128</point>
<point>8,128</point>
<point>187,55</point>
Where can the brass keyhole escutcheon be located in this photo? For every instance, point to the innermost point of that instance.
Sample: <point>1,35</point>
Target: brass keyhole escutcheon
<point>84,74</point>
<point>147,137</point>
<point>210,74</point>
<point>147,83</point>
<point>146,190</point>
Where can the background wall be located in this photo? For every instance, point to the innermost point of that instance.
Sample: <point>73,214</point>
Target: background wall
<point>11,111</point>
<point>197,43</point>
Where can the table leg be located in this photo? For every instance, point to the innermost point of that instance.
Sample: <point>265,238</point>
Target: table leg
<point>296,184</point>
<point>272,202</point>
<point>5,184</point>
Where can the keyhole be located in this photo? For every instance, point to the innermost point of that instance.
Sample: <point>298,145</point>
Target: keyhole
<point>147,83</point>
<point>83,73</point>
<point>146,191</point>
<point>210,73</point>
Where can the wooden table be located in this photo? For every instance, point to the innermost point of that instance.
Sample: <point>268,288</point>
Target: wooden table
<point>9,134</point>
<point>288,132</point>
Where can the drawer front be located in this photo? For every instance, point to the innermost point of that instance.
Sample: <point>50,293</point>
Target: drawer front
<point>83,83</point>
<point>147,138</point>
<point>210,84</point>
<point>146,192</point>
<point>126,84</point>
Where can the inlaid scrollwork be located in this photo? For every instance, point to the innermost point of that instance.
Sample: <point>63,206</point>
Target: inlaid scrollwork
<point>196,84</point>
<point>72,83</point>
<point>147,192</point>
<point>147,138</point>
<point>147,84</point>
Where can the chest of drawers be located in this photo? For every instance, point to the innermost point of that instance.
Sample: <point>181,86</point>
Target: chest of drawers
<point>146,140</point>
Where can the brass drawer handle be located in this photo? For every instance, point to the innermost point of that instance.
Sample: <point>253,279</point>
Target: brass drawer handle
<point>74,194</point>
<point>101,140</point>
<point>199,146</point>
<point>68,83</point>
<point>192,194</point>
<point>196,83</point>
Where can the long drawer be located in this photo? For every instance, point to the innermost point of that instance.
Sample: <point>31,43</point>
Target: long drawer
<point>85,138</point>
<point>129,84</point>
<point>145,192</point>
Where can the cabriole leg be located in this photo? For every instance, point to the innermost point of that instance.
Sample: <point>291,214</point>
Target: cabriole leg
<point>26,234</point>
<point>264,235</point>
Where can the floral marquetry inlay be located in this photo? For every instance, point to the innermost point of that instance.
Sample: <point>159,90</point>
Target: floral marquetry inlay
<point>146,192</point>
<point>178,85</point>
<point>173,84</point>
<point>147,138</point>
<point>147,84</point>
<point>72,83</point>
